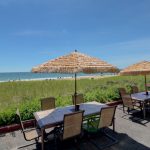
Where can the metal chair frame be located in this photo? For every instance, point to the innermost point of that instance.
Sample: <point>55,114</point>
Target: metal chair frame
<point>47,103</point>
<point>103,128</point>
<point>24,131</point>
<point>60,132</point>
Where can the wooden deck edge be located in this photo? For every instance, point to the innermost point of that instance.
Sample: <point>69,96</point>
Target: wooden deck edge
<point>30,123</point>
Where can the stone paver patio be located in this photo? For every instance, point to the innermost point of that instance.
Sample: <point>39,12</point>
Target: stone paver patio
<point>132,133</point>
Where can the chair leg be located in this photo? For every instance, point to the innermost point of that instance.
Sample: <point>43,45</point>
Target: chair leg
<point>76,144</point>
<point>128,110</point>
<point>114,125</point>
<point>23,146</point>
<point>141,107</point>
<point>57,141</point>
<point>123,109</point>
<point>112,138</point>
<point>107,145</point>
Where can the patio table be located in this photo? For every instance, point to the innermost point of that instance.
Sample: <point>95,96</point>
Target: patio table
<point>50,118</point>
<point>143,98</point>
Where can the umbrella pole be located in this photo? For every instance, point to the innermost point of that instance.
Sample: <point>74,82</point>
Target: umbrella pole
<point>146,86</point>
<point>75,93</point>
<point>75,84</point>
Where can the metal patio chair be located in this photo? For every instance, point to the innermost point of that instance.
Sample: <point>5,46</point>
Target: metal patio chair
<point>79,99</point>
<point>47,103</point>
<point>122,92</point>
<point>105,119</point>
<point>130,104</point>
<point>134,89</point>
<point>72,127</point>
<point>29,134</point>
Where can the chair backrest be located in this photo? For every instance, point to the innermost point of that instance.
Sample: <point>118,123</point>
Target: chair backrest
<point>20,121</point>
<point>134,89</point>
<point>72,124</point>
<point>127,101</point>
<point>107,115</point>
<point>47,103</point>
<point>79,99</point>
<point>122,92</point>
<point>26,133</point>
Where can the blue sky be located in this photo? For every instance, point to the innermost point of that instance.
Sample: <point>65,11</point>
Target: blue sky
<point>34,31</point>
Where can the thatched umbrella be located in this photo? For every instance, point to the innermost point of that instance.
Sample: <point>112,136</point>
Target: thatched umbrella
<point>141,68</point>
<point>75,62</point>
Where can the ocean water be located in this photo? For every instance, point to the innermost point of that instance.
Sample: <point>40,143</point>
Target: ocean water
<point>16,76</point>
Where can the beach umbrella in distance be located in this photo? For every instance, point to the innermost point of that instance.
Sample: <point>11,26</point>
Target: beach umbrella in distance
<point>75,62</point>
<point>141,68</point>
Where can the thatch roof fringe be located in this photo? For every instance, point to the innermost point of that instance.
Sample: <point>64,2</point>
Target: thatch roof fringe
<point>141,68</point>
<point>75,62</point>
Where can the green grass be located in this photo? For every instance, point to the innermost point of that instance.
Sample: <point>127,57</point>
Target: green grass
<point>26,94</point>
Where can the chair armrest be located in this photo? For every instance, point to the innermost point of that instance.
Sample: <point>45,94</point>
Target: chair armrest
<point>90,119</point>
<point>127,96</point>
<point>30,120</point>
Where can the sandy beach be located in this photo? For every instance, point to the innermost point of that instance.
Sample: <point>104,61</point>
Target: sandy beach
<point>72,78</point>
<point>62,78</point>
<point>86,77</point>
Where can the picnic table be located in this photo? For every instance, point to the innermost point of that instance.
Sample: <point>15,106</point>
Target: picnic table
<point>143,98</point>
<point>51,118</point>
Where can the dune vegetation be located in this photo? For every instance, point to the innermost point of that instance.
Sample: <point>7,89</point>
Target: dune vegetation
<point>26,94</point>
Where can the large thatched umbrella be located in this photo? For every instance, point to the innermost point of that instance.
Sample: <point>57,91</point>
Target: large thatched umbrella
<point>75,62</point>
<point>141,68</point>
